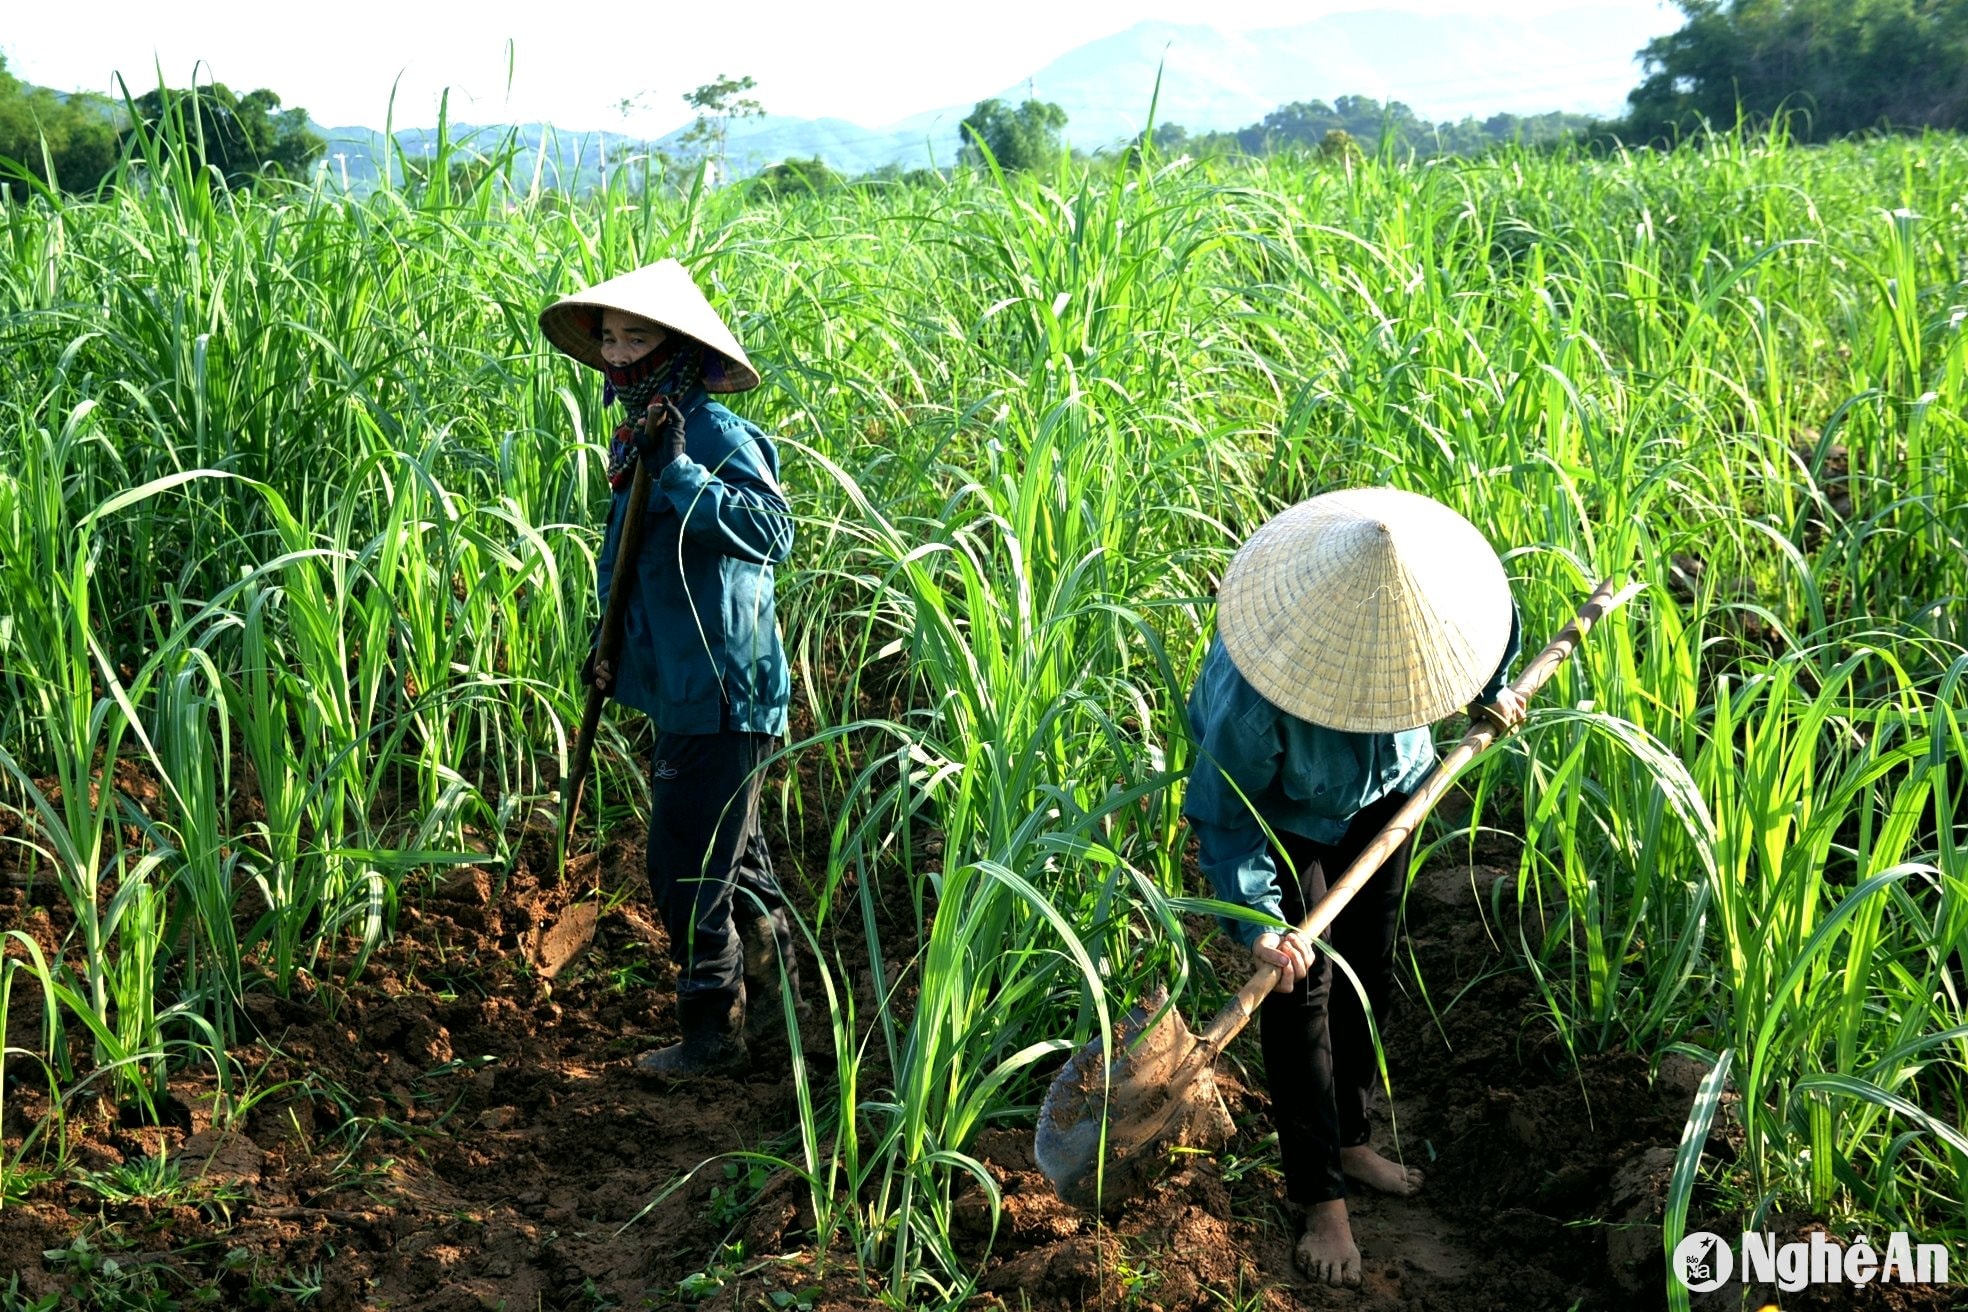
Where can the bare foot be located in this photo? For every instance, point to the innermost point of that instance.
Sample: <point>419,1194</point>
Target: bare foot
<point>1326,1250</point>
<point>1366,1165</point>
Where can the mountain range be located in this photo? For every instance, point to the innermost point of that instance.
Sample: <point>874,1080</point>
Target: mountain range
<point>1442,67</point>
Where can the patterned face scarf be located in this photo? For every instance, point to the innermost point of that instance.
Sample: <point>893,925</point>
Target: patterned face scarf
<point>671,370</point>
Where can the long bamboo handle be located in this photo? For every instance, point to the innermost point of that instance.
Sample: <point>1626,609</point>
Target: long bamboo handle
<point>607,646</point>
<point>1237,1012</point>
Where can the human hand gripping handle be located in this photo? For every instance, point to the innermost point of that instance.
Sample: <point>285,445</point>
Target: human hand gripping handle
<point>1289,955</point>
<point>662,433</point>
<point>597,673</point>
<point>1483,731</point>
<point>1505,714</point>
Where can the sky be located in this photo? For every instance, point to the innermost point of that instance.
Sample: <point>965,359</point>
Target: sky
<point>871,62</point>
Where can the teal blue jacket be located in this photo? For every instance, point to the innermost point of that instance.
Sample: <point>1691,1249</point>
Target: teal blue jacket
<point>700,645</point>
<point>1302,778</point>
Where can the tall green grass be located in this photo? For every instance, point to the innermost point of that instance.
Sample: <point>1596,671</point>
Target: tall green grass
<point>303,517</point>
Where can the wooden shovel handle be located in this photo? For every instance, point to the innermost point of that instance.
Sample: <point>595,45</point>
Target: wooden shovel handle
<point>1237,1012</point>
<point>607,646</point>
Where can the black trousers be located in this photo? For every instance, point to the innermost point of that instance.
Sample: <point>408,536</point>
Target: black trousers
<point>1318,1053</point>
<point>706,851</point>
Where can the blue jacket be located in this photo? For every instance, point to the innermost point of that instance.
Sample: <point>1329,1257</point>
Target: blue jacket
<point>1302,778</point>
<point>700,645</point>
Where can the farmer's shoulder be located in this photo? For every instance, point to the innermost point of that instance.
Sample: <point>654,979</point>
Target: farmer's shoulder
<point>715,420</point>
<point>711,427</point>
<point>1224,702</point>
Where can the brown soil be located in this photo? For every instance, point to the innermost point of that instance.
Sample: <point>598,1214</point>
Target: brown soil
<point>453,1132</point>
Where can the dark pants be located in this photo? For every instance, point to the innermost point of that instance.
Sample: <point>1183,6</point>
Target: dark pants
<point>1318,1053</point>
<point>706,852</point>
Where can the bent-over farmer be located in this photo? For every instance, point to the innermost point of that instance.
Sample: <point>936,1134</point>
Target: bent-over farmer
<point>1345,626</point>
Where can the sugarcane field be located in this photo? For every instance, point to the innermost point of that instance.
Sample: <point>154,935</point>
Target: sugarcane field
<point>1172,730</point>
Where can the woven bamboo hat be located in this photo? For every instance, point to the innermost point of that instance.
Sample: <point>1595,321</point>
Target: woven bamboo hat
<point>664,294</point>
<point>1369,610</point>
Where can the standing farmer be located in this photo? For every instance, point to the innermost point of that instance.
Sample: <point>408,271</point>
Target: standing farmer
<point>700,650</point>
<point>1345,626</point>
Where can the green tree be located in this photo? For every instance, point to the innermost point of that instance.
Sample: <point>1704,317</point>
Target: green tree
<point>77,133</point>
<point>1831,66</point>
<point>1168,141</point>
<point>1300,123</point>
<point>1019,139</point>
<point>896,174</point>
<point>243,137</point>
<point>798,177</point>
<point>717,102</point>
<point>1305,124</point>
<point>1339,144</point>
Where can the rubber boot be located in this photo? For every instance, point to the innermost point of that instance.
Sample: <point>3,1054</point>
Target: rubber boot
<point>765,1013</point>
<point>713,1041</point>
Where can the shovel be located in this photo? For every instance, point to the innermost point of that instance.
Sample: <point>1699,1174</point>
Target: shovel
<point>606,649</point>
<point>1159,1091</point>
<point>555,943</point>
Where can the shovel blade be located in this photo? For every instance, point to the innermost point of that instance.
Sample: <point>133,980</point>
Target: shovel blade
<point>554,944</point>
<point>1106,1125</point>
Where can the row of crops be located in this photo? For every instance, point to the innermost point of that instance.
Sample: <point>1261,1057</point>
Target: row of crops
<point>298,519</point>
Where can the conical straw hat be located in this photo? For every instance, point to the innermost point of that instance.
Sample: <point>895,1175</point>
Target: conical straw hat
<point>664,294</point>
<point>1369,610</point>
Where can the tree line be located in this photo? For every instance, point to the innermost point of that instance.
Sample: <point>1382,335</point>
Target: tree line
<point>1357,123</point>
<point>1030,135</point>
<point>75,142</point>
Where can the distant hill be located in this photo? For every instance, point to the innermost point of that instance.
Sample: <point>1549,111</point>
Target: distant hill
<point>1442,67</point>
<point>568,160</point>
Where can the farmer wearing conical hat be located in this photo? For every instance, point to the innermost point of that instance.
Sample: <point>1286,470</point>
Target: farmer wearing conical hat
<point>700,650</point>
<point>1345,626</point>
